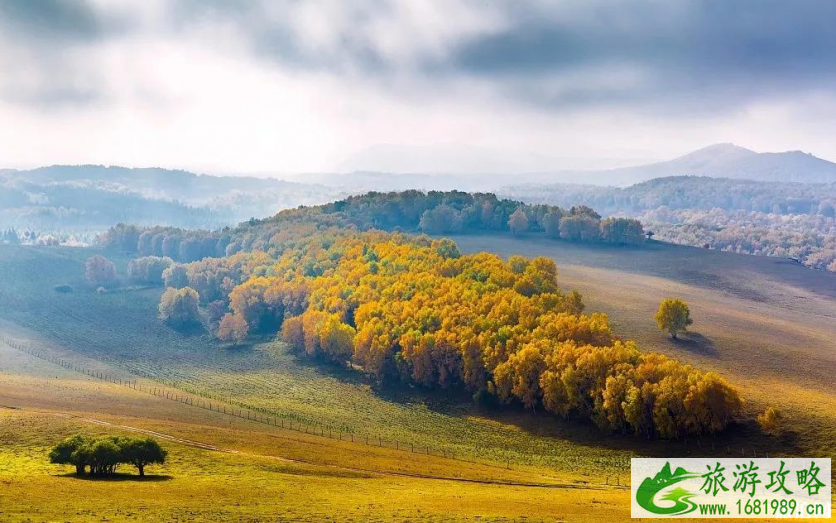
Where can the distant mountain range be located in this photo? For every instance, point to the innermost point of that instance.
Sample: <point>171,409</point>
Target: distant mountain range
<point>74,199</point>
<point>723,160</point>
<point>716,161</point>
<point>94,197</point>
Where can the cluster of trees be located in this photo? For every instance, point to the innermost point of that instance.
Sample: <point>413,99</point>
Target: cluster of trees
<point>102,455</point>
<point>412,308</point>
<point>9,237</point>
<point>148,269</point>
<point>171,242</point>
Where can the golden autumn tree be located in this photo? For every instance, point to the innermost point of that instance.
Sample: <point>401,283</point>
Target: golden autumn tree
<point>673,316</point>
<point>233,328</point>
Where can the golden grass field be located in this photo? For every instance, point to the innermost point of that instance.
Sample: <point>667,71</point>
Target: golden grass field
<point>257,473</point>
<point>769,330</point>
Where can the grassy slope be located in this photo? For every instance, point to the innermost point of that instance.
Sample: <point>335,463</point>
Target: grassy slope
<point>767,324</point>
<point>120,328</point>
<point>260,481</point>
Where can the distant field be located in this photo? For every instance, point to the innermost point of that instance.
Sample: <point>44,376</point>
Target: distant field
<point>767,324</point>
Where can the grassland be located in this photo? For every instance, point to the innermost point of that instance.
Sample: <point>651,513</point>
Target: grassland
<point>244,471</point>
<point>767,331</point>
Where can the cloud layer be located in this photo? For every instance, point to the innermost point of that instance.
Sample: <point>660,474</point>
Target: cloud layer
<point>299,85</point>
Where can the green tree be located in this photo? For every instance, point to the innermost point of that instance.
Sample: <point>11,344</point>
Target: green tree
<point>141,453</point>
<point>65,453</point>
<point>673,316</point>
<point>551,224</point>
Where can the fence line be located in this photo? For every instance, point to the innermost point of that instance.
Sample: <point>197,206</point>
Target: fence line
<point>285,421</point>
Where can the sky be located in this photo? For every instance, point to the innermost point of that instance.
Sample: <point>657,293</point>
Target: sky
<point>283,86</point>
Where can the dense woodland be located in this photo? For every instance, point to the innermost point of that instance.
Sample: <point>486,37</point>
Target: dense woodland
<point>412,211</point>
<point>791,220</point>
<point>408,308</point>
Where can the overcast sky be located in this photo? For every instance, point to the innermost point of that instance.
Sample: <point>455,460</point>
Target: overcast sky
<point>289,86</point>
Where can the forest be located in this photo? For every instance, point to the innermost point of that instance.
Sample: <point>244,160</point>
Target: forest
<point>789,220</point>
<point>405,308</point>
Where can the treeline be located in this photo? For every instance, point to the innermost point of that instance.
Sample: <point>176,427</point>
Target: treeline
<point>809,239</point>
<point>413,309</point>
<point>689,192</point>
<point>102,455</point>
<point>414,211</point>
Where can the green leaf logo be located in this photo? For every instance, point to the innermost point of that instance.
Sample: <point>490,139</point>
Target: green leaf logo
<point>681,498</point>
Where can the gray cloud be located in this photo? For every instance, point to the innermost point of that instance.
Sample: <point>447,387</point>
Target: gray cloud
<point>50,19</point>
<point>699,53</point>
<point>688,56</point>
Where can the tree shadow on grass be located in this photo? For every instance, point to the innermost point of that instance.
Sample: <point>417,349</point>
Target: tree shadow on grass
<point>697,343</point>
<point>120,476</point>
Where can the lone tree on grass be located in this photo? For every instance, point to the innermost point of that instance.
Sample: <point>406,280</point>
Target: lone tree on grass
<point>673,316</point>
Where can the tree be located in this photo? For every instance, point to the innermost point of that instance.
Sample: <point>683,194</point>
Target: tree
<point>673,316</point>
<point>176,276</point>
<point>622,231</point>
<point>141,453</point>
<point>233,328</point>
<point>551,224</point>
<point>100,271</point>
<point>64,453</point>
<point>179,306</point>
<point>580,228</point>
<point>103,455</point>
<point>148,269</point>
<point>518,222</point>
